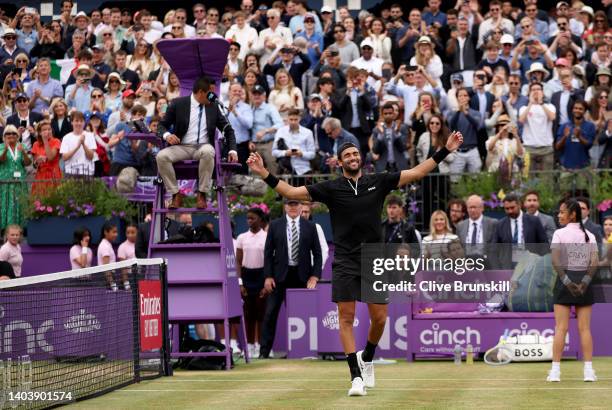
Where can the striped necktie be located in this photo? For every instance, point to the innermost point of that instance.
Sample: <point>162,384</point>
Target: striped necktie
<point>295,242</point>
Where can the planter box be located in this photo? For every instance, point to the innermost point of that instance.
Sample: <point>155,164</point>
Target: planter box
<point>56,230</point>
<point>495,214</point>
<point>325,222</point>
<point>240,223</point>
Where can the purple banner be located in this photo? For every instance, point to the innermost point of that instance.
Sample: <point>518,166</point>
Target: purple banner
<point>64,323</point>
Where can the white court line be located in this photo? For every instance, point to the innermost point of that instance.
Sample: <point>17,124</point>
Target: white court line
<point>179,380</point>
<point>376,389</point>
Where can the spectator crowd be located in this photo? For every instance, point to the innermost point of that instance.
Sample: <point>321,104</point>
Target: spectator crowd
<point>526,87</point>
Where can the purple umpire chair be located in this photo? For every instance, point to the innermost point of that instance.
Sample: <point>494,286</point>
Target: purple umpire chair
<point>202,280</point>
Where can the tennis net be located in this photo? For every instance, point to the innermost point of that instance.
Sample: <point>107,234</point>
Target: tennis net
<point>69,336</point>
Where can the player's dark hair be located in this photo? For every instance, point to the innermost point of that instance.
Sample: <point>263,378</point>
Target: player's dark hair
<point>585,200</point>
<point>344,147</point>
<point>532,192</point>
<point>79,234</point>
<point>573,207</point>
<point>203,83</point>
<point>107,227</point>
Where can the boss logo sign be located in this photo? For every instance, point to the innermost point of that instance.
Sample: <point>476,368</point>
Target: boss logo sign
<point>529,353</point>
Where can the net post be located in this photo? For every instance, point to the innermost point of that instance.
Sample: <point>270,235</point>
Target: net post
<point>136,310</point>
<point>163,273</point>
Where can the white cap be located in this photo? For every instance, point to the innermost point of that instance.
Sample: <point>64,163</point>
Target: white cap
<point>81,14</point>
<point>8,31</point>
<point>588,10</point>
<point>326,9</point>
<point>367,42</point>
<point>506,39</point>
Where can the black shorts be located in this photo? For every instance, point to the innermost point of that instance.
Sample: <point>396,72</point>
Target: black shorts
<point>349,286</point>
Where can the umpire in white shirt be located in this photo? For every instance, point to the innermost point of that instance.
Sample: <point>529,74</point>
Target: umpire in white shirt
<point>298,145</point>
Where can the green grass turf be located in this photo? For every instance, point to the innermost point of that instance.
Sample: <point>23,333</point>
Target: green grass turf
<point>284,384</point>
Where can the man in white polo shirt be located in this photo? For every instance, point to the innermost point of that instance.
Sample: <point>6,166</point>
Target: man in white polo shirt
<point>537,119</point>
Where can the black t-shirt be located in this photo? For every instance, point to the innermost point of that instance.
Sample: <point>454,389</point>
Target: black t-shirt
<point>355,219</point>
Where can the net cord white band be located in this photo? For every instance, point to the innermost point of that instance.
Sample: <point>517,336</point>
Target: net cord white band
<point>32,280</point>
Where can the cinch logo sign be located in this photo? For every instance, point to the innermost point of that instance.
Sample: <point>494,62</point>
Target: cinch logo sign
<point>437,336</point>
<point>331,322</point>
<point>524,330</point>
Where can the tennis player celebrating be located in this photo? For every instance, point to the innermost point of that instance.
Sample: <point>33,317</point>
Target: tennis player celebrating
<point>355,204</point>
<point>574,258</point>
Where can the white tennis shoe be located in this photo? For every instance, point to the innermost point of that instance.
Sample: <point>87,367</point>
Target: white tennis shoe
<point>357,387</point>
<point>367,371</point>
<point>589,375</point>
<point>554,376</point>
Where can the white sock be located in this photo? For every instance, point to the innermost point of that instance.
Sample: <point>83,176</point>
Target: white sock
<point>588,365</point>
<point>557,366</point>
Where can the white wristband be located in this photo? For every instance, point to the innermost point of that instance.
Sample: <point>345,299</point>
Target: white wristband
<point>240,281</point>
<point>84,250</point>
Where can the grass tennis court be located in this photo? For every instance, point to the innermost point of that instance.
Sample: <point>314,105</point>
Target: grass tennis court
<point>285,384</point>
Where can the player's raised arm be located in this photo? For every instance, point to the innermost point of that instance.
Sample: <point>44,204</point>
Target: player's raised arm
<point>255,162</point>
<point>455,139</point>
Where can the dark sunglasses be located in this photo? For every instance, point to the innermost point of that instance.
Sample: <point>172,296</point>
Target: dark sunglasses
<point>22,100</point>
<point>10,37</point>
<point>10,133</point>
<point>434,123</point>
<point>97,96</point>
<point>308,21</point>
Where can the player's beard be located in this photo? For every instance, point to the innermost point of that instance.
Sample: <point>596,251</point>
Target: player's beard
<point>351,172</point>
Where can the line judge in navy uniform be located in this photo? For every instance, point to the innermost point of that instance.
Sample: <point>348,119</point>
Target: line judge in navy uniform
<point>288,264</point>
<point>189,129</point>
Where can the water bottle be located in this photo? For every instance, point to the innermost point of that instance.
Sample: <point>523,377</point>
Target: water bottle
<point>469,354</point>
<point>457,353</point>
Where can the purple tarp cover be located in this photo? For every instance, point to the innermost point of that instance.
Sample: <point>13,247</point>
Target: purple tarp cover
<point>190,58</point>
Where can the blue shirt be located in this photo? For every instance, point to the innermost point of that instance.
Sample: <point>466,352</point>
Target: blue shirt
<point>27,41</point>
<point>241,121</point>
<point>525,63</point>
<point>265,116</point>
<point>343,138</point>
<point>540,27</point>
<point>431,18</point>
<point>316,38</point>
<point>467,125</point>
<point>123,153</point>
<point>81,99</point>
<point>52,88</point>
<point>574,154</point>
